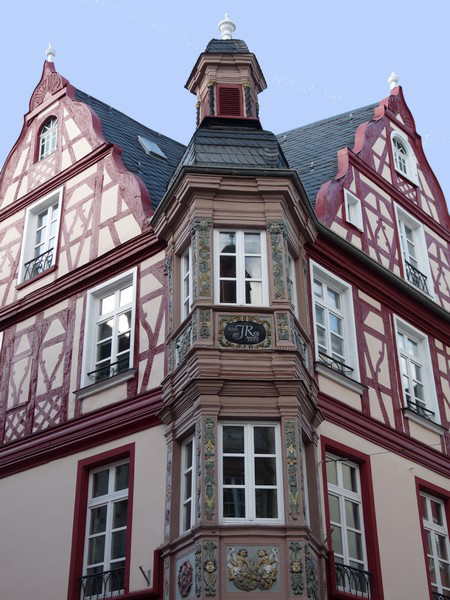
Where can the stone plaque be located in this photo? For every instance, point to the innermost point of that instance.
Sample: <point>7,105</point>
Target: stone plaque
<point>244,332</point>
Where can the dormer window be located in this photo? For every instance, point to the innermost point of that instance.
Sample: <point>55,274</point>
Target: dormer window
<point>48,137</point>
<point>229,101</point>
<point>404,159</point>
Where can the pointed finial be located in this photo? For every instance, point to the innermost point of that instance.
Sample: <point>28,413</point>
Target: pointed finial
<point>226,28</point>
<point>50,53</point>
<point>393,80</point>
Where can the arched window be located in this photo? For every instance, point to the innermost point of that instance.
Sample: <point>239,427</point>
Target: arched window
<point>404,159</point>
<point>400,155</point>
<point>47,138</point>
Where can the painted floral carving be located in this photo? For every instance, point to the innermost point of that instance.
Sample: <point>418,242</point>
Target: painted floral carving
<point>198,570</point>
<point>248,574</point>
<point>185,577</point>
<point>199,470</point>
<point>168,492</point>
<point>210,568</point>
<point>312,579</point>
<point>205,323</point>
<point>210,468</point>
<point>183,344</point>
<point>201,233</point>
<point>296,568</point>
<point>168,271</point>
<point>53,83</point>
<point>277,232</point>
<point>282,326</point>
<point>291,457</point>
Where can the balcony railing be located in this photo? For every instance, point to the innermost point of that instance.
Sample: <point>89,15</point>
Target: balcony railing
<point>110,370</point>
<point>38,265</point>
<point>353,581</point>
<point>107,584</point>
<point>420,410</point>
<point>415,277</point>
<point>438,596</point>
<point>335,364</point>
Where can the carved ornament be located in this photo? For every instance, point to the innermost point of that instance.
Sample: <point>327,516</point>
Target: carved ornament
<point>248,574</point>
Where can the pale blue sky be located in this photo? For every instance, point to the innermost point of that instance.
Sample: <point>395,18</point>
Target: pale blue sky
<point>319,59</point>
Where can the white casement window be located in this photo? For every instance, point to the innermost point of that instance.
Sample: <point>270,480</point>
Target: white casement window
<point>106,531</point>
<point>416,266</point>
<point>40,239</point>
<point>416,371</point>
<point>334,323</point>
<point>240,267</point>
<point>292,284</point>
<point>250,473</point>
<point>404,160</point>
<point>353,212</point>
<point>437,543</point>
<point>186,283</point>
<point>187,504</point>
<point>346,523</point>
<point>48,138</point>
<point>109,333</point>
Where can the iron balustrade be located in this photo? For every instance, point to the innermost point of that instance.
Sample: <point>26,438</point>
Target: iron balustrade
<point>109,370</point>
<point>438,596</point>
<point>38,265</point>
<point>107,584</point>
<point>334,364</point>
<point>420,410</point>
<point>353,581</point>
<point>416,277</point>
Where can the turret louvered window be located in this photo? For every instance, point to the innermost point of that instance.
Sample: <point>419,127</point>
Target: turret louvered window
<point>229,101</point>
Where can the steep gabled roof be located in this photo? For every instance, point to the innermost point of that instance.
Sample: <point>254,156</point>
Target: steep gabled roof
<point>123,131</point>
<point>312,149</point>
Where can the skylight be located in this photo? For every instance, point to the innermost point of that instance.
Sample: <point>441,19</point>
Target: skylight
<point>150,147</point>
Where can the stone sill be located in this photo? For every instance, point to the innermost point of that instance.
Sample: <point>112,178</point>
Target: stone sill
<point>348,382</point>
<point>99,386</point>
<point>431,425</point>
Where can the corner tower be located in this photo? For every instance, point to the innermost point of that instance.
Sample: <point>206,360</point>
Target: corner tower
<point>240,399</point>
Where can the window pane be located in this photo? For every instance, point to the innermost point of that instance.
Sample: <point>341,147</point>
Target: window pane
<point>103,351</point>
<point>187,516</point>
<point>253,292</point>
<point>331,470</point>
<point>432,571</point>
<point>266,504</point>
<point>233,470</point>
<point>118,540</point>
<point>105,330</point>
<point>126,295</point>
<point>354,545</point>
<point>264,440</point>
<point>413,347</point>
<point>233,439</point>
<point>227,242</point>
<point>252,243</point>
<point>116,580</point>
<point>188,485</point>
<point>352,514</point>
<point>265,471</point>
<point>41,234</point>
<point>336,539</point>
<point>441,546</point>
<point>335,324</point>
<point>124,322</point>
<point>436,512</point>
<point>349,477</point>
<point>401,341</point>
<point>96,550</point>
<point>333,298</point>
<point>234,503</point>
<point>107,304</point>
<point>94,585</point>
<point>320,315</point>
<point>318,289</point>
<point>228,292</point>
<point>120,514</point>
<point>188,455</point>
<point>253,267</point>
<point>444,569</point>
<point>100,483</point>
<point>333,505</point>
<point>122,475</point>
<point>337,345</point>
<point>321,340</point>
<point>42,218</point>
<point>228,266</point>
<point>424,507</point>
<point>98,520</point>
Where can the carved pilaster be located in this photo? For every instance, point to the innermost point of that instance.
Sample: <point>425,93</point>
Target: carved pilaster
<point>209,444</point>
<point>296,568</point>
<point>168,492</point>
<point>205,323</point>
<point>198,491</point>
<point>198,570</point>
<point>247,99</point>
<point>166,585</point>
<point>201,258</point>
<point>312,578</point>
<point>197,114</point>
<point>277,233</point>
<point>168,272</point>
<point>282,321</point>
<point>210,568</point>
<point>211,100</point>
<point>290,431</point>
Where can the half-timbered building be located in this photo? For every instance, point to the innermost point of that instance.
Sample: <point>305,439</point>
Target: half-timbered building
<point>225,366</point>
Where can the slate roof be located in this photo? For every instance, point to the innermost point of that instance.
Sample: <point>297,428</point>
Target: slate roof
<point>227,47</point>
<point>318,143</point>
<point>122,130</point>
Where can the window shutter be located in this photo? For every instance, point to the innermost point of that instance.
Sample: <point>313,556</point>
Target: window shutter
<point>229,101</point>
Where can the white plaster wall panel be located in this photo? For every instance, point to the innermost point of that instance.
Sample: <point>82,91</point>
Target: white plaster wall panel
<point>82,176</point>
<point>374,321</point>
<point>76,349</point>
<point>424,435</point>
<point>74,198</point>
<point>127,228</point>
<point>162,332</point>
<point>153,260</point>
<point>386,173</point>
<point>150,311</point>
<point>23,189</point>
<point>115,393</point>
<point>51,368</point>
<point>21,162</point>
<point>339,230</point>
<point>10,193</point>
<point>342,393</point>
<point>379,359</point>
<point>157,372</point>
<point>51,518</point>
<point>55,309</point>
<point>375,187</point>
<point>81,148</point>
<point>369,300</point>
<point>66,161</point>
<point>379,146</point>
<point>376,161</point>
<point>19,381</point>
<point>109,203</point>
<point>71,128</point>
<point>105,241</point>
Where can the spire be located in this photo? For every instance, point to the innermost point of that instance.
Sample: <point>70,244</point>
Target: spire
<point>226,28</point>
<point>50,53</point>
<point>393,80</point>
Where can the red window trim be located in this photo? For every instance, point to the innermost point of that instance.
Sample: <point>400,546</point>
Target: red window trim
<point>79,520</point>
<point>442,494</point>
<point>241,102</point>
<point>370,526</point>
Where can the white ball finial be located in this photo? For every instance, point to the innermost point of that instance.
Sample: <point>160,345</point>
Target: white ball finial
<point>226,28</point>
<point>393,80</point>
<point>50,53</point>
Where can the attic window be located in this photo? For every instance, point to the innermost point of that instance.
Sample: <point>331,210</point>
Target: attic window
<point>229,100</point>
<point>150,147</point>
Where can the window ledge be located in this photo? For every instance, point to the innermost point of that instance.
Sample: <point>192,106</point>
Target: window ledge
<point>431,425</point>
<point>334,375</point>
<point>99,386</point>
<point>36,277</point>
<point>410,178</point>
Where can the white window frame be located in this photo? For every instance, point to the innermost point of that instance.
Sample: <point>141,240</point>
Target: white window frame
<point>401,326</point>
<point>186,275</point>
<point>349,331</point>
<point>250,474</point>
<point>353,211</point>
<point>435,529</point>
<point>411,162</point>
<point>356,497</point>
<point>108,499</point>
<point>48,140</point>
<point>29,233</point>
<point>404,218</point>
<point>292,282</point>
<point>240,269</point>
<point>184,471</point>
<point>94,296</point>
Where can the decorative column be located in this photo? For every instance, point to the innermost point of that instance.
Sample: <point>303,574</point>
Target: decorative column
<point>277,233</point>
<point>210,468</point>
<point>201,258</point>
<point>247,99</point>
<point>211,85</point>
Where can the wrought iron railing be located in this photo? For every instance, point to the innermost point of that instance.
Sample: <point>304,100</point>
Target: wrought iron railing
<point>109,370</point>
<point>438,596</point>
<point>353,581</point>
<point>416,277</point>
<point>107,584</point>
<point>335,364</point>
<point>38,265</point>
<point>420,410</point>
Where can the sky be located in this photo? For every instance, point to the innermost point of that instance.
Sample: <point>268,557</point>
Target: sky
<point>319,59</point>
